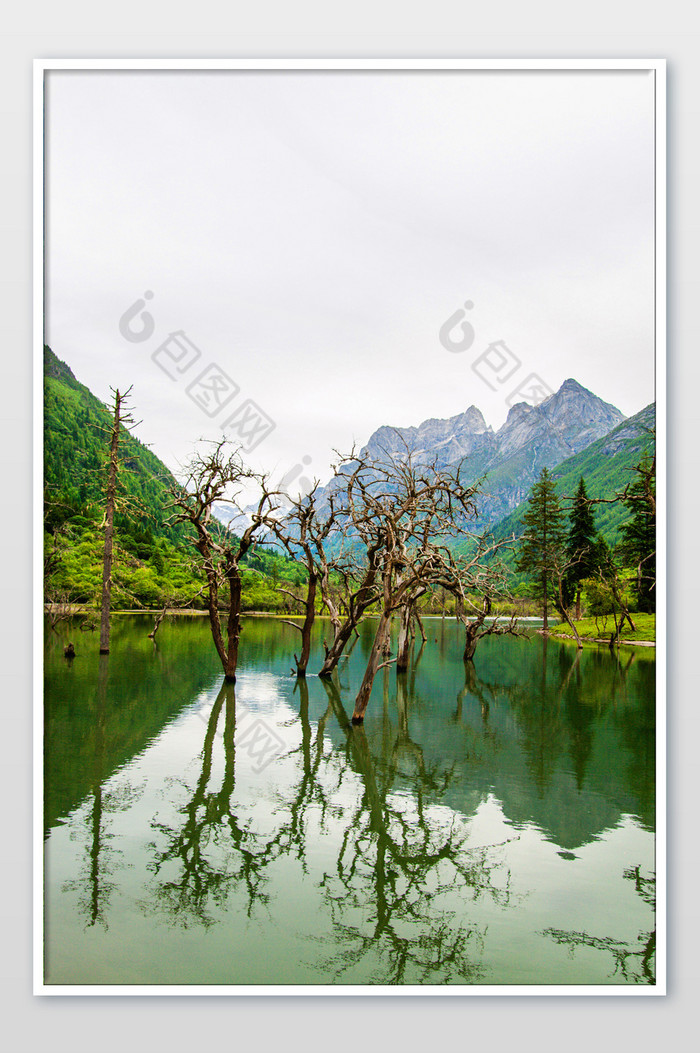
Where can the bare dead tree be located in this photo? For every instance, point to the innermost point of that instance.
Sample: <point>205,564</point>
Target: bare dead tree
<point>303,533</point>
<point>171,604</point>
<point>59,607</point>
<point>559,570</point>
<point>219,476</point>
<point>403,513</point>
<point>346,572</point>
<point>348,587</point>
<point>122,419</point>
<point>614,581</point>
<point>417,622</point>
<point>157,622</point>
<point>408,615</point>
<point>476,628</point>
<point>477,581</point>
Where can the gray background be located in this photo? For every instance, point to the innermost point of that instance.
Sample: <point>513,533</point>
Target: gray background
<point>277,29</point>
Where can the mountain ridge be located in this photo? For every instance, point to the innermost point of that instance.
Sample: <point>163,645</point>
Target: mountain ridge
<point>511,457</point>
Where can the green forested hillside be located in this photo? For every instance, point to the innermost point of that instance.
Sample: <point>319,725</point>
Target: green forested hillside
<point>606,465</point>
<point>76,427</point>
<point>153,564</point>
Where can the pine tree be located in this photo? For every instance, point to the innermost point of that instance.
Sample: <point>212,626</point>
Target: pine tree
<point>543,542</point>
<point>581,544</point>
<point>639,534</point>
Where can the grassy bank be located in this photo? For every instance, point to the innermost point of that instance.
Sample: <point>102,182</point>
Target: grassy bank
<point>600,628</point>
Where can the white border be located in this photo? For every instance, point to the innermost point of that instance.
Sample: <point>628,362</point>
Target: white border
<point>658,67</point>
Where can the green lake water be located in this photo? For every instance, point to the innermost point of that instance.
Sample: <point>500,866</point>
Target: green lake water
<point>488,827</point>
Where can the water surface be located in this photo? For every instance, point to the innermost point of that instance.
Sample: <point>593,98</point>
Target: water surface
<point>493,825</point>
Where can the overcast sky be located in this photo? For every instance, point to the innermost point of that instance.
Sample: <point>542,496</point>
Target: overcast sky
<point>311,233</point>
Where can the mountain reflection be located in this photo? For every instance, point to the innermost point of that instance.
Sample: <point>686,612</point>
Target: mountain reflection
<point>378,825</point>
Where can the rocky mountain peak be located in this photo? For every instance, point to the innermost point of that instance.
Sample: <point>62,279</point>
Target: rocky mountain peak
<point>532,437</point>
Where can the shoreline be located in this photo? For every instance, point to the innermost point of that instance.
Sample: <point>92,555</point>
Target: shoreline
<point>599,640</point>
<point>263,614</point>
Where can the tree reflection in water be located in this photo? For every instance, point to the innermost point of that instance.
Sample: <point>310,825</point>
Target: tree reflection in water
<point>399,855</point>
<point>94,884</point>
<point>395,898</point>
<point>634,964</point>
<point>397,863</point>
<point>200,849</point>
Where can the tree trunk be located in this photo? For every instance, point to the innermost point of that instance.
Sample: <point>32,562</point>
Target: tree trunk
<point>233,627</point>
<point>381,640</point>
<point>334,652</point>
<point>404,643</point>
<point>545,622</point>
<point>578,604</point>
<point>471,638</point>
<point>471,628</point>
<point>309,616</point>
<point>564,614</point>
<point>156,624</point>
<point>109,528</point>
<point>213,609</point>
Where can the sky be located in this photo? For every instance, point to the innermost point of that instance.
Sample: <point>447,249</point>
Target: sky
<point>340,250</point>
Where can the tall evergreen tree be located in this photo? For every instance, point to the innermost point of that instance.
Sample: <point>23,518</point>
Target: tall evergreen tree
<point>639,534</point>
<point>581,544</point>
<point>543,542</point>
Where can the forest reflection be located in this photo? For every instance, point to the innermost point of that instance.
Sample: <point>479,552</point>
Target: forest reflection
<point>563,742</point>
<point>396,858</point>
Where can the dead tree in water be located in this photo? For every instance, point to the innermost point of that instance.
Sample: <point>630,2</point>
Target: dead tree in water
<point>402,513</point>
<point>303,533</point>
<point>220,477</point>
<point>59,607</point>
<point>122,419</point>
<point>408,617</point>
<point>348,590</point>
<point>157,622</point>
<point>475,628</point>
<point>172,604</point>
<point>346,575</point>
<point>476,581</point>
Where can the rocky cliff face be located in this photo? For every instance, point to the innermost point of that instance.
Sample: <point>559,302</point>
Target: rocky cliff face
<point>532,438</point>
<point>447,440</point>
<point>510,459</point>
<point>565,423</point>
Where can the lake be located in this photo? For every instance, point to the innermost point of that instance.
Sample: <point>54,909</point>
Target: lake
<point>486,826</point>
